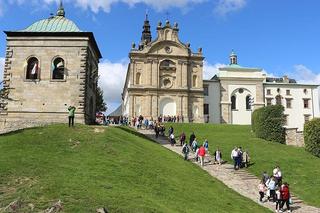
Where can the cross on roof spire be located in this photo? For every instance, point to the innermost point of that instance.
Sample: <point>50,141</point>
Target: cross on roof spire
<point>60,11</point>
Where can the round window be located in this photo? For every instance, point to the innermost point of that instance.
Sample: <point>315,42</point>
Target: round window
<point>166,82</point>
<point>167,49</point>
<point>241,91</point>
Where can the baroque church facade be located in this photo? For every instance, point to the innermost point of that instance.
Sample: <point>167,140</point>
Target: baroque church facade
<point>164,77</point>
<point>49,66</point>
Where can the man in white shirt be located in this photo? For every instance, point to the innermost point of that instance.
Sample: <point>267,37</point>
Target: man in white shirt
<point>234,156</point>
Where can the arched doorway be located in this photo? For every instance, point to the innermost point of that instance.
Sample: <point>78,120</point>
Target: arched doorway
<point>241,106</point>
<point>168,107</point>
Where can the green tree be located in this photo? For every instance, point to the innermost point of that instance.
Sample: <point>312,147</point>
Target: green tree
<point>312,136</point>
<point>101,105</point>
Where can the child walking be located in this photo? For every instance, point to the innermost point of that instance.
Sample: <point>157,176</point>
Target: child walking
<point>262,188</point>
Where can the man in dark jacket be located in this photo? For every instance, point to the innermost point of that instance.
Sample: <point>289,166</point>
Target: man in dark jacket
<point>192,137</point>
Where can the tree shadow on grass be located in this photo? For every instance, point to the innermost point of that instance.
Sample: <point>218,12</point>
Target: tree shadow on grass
<point>136,133</point>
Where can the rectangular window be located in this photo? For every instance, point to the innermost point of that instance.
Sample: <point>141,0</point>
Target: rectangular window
<point>205,90</point>
<point>269,101</point>
<point>288,103</point>
<point>206,109</point>
<point>306,103</point>
<point>288,92</point>
<point>285,120</point>
<point>306,118</point>
<point>268,91</point>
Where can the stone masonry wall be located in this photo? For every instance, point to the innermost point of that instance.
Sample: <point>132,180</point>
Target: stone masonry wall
<point>294,137</point>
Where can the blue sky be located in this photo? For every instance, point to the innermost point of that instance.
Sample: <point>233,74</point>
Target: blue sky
<point>282,37</point>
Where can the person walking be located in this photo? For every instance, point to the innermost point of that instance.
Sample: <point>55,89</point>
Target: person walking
<point>217,156</point>
<point>185,151</point>
<point>201,154</point>
<point>206,145</point>
<point>285,196</point>
<point>262,190</point>
<point>172,139</point>
<point>245,158</point>
<point>265,177</point>
<point>234,157</point>
<point>71,110</point>
<point>194,145</point>
<point>271,184</point>
<point>182,139</point>
<point>278,175</point>
<point>191,139</point>
<point>278,200</point>
<point>156,129</point>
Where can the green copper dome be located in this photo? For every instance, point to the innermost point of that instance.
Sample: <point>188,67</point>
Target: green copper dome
<point>57,23</point>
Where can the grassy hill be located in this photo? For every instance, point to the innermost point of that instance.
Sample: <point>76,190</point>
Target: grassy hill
<point>300,169</point>
<point>88,167</point>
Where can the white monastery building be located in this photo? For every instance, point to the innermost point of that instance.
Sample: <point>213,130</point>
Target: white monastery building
<point>165,78</point>
<point>235,92</point>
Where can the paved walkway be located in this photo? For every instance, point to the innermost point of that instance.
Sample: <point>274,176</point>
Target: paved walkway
<point>240,181</point>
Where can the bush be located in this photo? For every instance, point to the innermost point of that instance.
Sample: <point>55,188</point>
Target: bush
<point>267,123</point>
<point>312,136</point>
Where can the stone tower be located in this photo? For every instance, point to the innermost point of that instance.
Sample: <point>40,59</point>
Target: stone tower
<point>49,66</point>
<point>164,77</point>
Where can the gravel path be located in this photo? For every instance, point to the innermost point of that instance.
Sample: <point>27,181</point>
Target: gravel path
<point>240,181</point>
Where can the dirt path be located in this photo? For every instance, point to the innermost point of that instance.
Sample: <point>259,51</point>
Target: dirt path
<point>240,181</point>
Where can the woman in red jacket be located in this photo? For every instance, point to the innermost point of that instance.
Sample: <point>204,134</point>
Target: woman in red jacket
<point>285,196</point>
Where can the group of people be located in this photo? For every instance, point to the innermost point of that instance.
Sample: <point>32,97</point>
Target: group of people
<point>200,150</point>
<point>275,190</point>
<point>240,158</point>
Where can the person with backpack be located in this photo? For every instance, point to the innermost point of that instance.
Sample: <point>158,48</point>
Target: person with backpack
<point>185,151</point>
<point>194,145</point>
<point>285,196</point>
<point>206,145</point>
<point>182,139</point>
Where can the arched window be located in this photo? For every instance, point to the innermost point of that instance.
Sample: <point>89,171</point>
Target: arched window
<point>233,102</point>
<point>248,104</point>
<point>58,68</point>
<point>194,81</point>
<point>278,100</point>
<point>33,68</point>
<point>138,78</point>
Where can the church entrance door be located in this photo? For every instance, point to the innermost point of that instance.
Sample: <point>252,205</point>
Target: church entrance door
<point>168,107</point>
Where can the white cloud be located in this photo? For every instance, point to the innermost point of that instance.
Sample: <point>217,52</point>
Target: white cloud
<point>112,77</point>
<point>1,68</point>
<point>224,7</point>
<point>105,5</point>
<point>209,70</point>
<point>302,74</point>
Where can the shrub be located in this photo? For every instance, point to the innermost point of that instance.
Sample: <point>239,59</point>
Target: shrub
<point>267,123</point>
<point>312,136</point>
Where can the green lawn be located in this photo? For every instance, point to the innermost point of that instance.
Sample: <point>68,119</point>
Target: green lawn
<point>115,169</point>
<point>300,169</point>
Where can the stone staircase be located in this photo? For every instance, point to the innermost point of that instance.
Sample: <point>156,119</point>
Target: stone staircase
<point>240,181</point>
